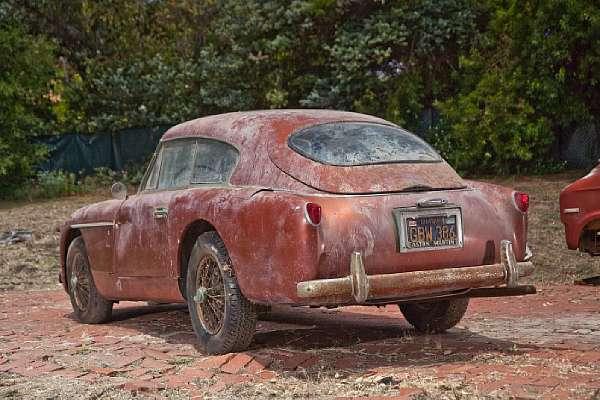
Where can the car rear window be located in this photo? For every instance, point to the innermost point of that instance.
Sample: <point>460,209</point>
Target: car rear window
<point>357,143</point>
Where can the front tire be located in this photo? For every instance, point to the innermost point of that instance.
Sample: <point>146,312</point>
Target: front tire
<point>88,305</point>
<point>223,319</point>
<point>436,316</point>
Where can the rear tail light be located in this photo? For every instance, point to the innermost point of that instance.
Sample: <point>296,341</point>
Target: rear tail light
<point>522,201</point>
<point>313,213</point>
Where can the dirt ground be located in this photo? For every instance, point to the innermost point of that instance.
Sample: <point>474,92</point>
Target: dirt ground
<point>542,346</point>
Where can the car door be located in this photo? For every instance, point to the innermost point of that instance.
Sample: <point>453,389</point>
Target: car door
<point>142,245</point>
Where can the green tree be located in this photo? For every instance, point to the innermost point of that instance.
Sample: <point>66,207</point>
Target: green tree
<point>534,73</point>
<point>125,63</point>
<point>26,73</point>
<point>396,58</point>
<point>391,59</point>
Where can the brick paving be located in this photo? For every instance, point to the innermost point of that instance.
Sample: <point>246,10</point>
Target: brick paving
<point>542,346</point>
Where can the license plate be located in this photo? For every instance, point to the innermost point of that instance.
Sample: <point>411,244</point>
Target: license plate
<point>434,229</point>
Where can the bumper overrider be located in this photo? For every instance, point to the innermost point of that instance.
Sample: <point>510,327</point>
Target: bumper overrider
<point>480,281</point>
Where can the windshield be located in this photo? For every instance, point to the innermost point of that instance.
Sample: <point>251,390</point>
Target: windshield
<point>358,143</point>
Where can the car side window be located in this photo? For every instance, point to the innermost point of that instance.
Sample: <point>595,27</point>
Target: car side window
<point>176,164</point>
<point>215,161</point>
<point>152,180</point>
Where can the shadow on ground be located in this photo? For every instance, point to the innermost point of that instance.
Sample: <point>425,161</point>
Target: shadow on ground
<point>347,338</point>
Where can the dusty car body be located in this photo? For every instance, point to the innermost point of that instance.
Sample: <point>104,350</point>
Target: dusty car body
<point>299,207</point>
<point>580,213</point>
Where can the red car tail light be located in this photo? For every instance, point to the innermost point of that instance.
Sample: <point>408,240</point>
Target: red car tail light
<point>522,201</point>
<point>313,213</point>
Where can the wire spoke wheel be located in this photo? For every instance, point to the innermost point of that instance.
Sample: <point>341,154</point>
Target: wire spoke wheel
<point>211,309</point>
<point>80,283</point>
<point>223,319</point>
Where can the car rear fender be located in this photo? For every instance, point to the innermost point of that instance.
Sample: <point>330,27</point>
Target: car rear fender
<point>269,242</point>
<point>272,246</point>
<point>502,200</point>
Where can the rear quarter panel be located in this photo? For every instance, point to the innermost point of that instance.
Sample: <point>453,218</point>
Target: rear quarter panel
<point>269,242</point>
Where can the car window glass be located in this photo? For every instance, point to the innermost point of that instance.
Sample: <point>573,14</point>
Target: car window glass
<point>215,161</point>
<point>153,176</point>
<point>354,143</point>
<point>176,164</point>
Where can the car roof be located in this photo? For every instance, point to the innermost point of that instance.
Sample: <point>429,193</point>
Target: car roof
<point>266,160</point>
<point>246,127</point>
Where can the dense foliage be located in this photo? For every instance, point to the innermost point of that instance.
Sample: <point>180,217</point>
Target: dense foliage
<point>26,75</point>
<point>534,74</point>
<point>491,83</point>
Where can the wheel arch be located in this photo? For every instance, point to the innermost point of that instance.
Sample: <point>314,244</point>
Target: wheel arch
<point>186,244</point>
<point>591,223</point>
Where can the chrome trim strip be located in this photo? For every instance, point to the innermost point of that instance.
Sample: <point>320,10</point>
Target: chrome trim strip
<point>92,225</point>
<point>571,210</point>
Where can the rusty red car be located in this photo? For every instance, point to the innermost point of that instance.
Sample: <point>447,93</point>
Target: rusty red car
<point>580,213</point>
<point>296,207</point>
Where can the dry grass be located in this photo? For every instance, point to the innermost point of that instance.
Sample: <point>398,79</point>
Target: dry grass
<point>292,386</point>
<point>34,265</point>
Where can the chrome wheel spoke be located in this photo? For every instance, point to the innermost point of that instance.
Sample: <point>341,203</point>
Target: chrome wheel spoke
<point>81,283</point>
<point>211,308</point>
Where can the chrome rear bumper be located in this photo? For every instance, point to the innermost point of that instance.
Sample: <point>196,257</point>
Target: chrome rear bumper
<point>359,287</point>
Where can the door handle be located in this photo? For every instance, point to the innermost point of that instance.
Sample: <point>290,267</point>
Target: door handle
<point>161,212</point>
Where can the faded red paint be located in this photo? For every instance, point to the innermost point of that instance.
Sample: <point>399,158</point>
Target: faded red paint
<point>261,218</point>
<point>582,195</point>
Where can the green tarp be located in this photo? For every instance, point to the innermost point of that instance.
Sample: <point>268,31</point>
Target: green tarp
<point>81,153</point>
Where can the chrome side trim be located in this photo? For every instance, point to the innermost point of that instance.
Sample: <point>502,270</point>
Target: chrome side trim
<point>92,225</point>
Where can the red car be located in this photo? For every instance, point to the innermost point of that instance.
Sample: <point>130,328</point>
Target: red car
<point>580,213</point>
<point>298,207</point>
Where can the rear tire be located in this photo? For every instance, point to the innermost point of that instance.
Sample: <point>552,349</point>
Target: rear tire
<point>435,317</point>
<point>223,319</point>
<point>88,305</point>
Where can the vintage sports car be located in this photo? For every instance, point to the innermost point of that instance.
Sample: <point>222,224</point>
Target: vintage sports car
<point>580,213</point>
<point>297,207</point>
